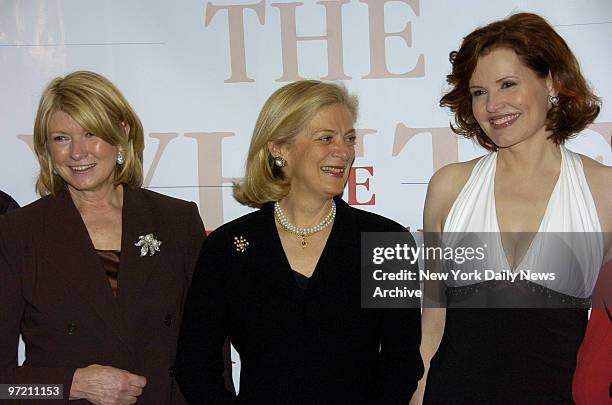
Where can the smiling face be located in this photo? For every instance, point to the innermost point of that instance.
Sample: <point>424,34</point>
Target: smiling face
<point>84,161</point>
<point>320,157</point>
<point>509,100</point>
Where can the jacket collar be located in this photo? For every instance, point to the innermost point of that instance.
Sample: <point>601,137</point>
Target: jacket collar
<point>69,248</point>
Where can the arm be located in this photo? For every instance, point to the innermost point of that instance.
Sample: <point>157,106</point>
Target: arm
<point>400,365</point>
<point>11,310</point>
<point>432,326</point>
<point>199,363</point>
<point>437,205</point>
<point>598,177</point>
<point>197,234</point>
<point>98,384</point>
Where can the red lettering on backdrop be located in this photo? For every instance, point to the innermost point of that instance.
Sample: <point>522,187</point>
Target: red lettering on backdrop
<point>352,185</point>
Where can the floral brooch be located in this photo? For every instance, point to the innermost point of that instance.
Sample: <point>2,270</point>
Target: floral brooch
<point>241,244</point>
<point>148,244</point>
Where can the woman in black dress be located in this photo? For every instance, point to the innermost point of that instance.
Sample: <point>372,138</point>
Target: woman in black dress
<point>517,89</point>
<point>283,282</point>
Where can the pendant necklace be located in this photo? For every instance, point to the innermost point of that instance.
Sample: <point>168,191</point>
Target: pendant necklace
<point>303,232</point>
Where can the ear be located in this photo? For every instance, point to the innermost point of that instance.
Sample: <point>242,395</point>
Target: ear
<point>126,128</point>
<point>275,149</point>
<point>550,85</point>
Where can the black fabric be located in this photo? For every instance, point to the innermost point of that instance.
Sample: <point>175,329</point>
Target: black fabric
<point>7,203</point>
<point>506,356</point>
<point>301,280</point>
<point>313,346</point>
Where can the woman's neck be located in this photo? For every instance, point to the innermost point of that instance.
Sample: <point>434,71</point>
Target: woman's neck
<point>529,159</point>
<point>304,212</point>
<point>109,198</point>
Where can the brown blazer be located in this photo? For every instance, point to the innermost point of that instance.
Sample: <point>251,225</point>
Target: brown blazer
<point>54,291</point>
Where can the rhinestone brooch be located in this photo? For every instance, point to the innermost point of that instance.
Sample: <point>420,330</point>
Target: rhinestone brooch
<point>148,244</point>
<point>241,244</point>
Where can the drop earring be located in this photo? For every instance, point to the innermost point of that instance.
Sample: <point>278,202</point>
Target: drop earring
<point>554,100</point>
<point>120,158</point>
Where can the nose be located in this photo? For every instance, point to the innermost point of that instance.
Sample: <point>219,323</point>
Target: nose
<point>342,149</point>
<point>495,102</point>
<point>78,148</point>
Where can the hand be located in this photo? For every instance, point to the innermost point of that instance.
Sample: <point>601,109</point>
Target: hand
<point>104,385</point>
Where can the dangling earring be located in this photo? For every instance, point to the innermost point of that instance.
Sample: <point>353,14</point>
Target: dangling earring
<point>54,171</point>
<point>279,161</point>
<point>554,100</point>
<point>120,158</point>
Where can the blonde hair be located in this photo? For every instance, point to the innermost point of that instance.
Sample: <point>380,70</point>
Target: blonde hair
<point>286,112</point>
<point>98,107</point>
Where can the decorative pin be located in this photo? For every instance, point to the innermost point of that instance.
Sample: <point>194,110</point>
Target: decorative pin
<point>148,244</point>
<point>241,244</point>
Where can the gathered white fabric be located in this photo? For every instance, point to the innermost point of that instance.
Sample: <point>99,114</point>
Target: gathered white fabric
<point>569,243</point>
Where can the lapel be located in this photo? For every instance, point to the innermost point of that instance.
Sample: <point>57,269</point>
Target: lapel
<point>67,246</point>
<point>139,217</point>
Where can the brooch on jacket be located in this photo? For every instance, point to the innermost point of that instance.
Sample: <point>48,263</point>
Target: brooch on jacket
<point>241,244</point>
<point>148,244</point>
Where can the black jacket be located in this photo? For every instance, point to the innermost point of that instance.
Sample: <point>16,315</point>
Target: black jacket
<point>313,346</point>
<point>7,203</point>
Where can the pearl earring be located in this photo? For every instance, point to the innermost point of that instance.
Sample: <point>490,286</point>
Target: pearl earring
<point>279,161</point>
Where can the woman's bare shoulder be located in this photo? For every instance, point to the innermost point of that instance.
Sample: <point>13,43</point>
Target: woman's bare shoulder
<point>452,176</point>
<point>599,177</point>
<point>596,171</point>
<point>444,187</point>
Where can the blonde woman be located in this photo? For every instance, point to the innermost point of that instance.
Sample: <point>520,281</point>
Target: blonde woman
<point>95,272</point>
<point>284,282</point>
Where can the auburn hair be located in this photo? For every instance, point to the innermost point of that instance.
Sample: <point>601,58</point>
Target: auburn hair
<point>542,50</point>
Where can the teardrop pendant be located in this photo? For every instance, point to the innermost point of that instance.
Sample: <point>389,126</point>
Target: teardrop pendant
<point>304,241</point>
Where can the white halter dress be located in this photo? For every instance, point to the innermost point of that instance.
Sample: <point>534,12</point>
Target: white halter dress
<point>568,243</point>
<point>510,355</point>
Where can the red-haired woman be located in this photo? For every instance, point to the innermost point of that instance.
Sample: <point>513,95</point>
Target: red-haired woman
<point>517,89</point>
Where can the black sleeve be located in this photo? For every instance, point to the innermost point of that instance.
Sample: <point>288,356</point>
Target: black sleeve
<point>7,203</point>
<point>400,363</point>
<point>199,362</point>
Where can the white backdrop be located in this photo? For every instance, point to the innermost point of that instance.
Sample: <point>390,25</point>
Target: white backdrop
<point>198,72</point>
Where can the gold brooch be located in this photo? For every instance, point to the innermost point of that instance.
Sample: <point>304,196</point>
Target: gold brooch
<point>241,244</point>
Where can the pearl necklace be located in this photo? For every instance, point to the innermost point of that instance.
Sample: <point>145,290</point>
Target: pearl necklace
<point>303,232</point>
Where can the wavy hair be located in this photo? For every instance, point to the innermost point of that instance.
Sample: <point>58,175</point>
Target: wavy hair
<point>541,49</point>
<point>286,112</point>
<point>98,107</point>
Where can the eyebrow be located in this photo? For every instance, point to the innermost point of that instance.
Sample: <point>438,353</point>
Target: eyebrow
<point>352,130</point>
<point>496,81</point>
